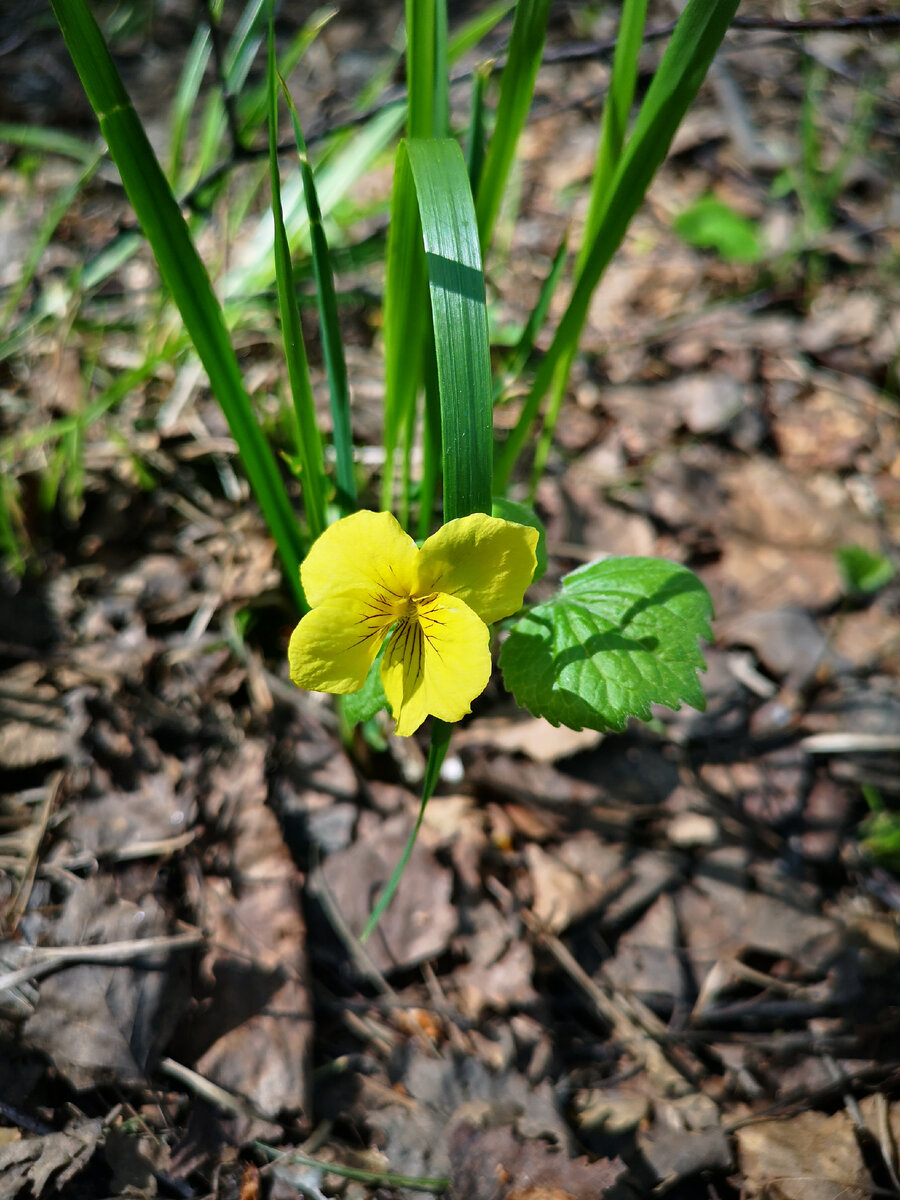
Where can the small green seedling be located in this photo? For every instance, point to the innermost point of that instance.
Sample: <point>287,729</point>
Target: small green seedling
<point>863,571</point>
<point>710,224</point>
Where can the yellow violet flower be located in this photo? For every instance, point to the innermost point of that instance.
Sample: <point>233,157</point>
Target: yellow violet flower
<point>364,575</point>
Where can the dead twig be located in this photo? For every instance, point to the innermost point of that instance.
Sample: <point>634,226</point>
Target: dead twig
<point>209,1091</point>
<point>851,743</point>
<point>48,959</point>
<point>23,891</point>
<point>632,1023</point>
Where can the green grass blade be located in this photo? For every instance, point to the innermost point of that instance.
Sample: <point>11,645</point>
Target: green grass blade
<point>105,263</point>
<point>386,1179</point>
<point>427,81</point>
<point>476,140</point>
<point>346,165</point>
<point>253,103</point>
<point>405,316</point>
<point>98,407</point>
<point>330,325</point>
<point>522,351</point>
<point>57,210</point>
<point>309,443</point>
<point>50,141</point>
<point>441,120</point>
<point>432,445</point>
<point>459,312</point>
<point>242,48</point>
<point>470,34</point>
<point>613,124</point>
<point>186,94</point>
<point>13,536</point>
<point>420,67</point>
<point>694,42</point>
<point>614,121</point>
<point>526,45</point>
<point>181,269</point>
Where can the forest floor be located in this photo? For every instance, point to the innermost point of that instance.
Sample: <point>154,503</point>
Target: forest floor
<point>665,962</point>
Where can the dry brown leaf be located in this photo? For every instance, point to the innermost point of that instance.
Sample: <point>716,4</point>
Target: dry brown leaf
<point>541,741</point>
<point>419,922</point>
<point>771,504</point>
<point>499,985</point>
<point>824,432</point>
<point>721,918</point>
<point>493,1164</point>
<point>30,743</point>
<point>572,881</point>
<point>808,1157</point>
<point>33,1162</point>
<point>108,1023</point>
<point>254,1034</point>
<point>647,962</point>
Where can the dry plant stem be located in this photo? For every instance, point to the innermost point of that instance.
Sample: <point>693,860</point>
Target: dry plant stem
<point>52,958</point>
<point>725,971</point>
<point>885,1135</point>
<point>23,892</point>
<point>850,743</point>
<point>354,947</point>
<point>632,1023</point>
<point>364,963</point>
<point>158,848</point>
<point>385,1178</point>
<point>201,1086</point>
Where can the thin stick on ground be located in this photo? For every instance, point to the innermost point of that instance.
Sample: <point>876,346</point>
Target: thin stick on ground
<point>48,959</point>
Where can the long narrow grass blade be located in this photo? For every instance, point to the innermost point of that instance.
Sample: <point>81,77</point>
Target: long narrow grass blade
<point>697,36</point>
<point>518,358</point>
<point>253,102</point>
<point>420,68</point>
<point>242,48</point>
<point>470,34</point>
<point>347,164</point>
<point>50,141</point>
<point>195,64</point>
<point>614,121</point>
<point>98,407</point>
<point>405,316</point>
<point>330,325</point>
<point>62,202</point>
<point>308,441</point>
<point>13,537</point>
<point>526,45</point>
<point>432,445</point>
<point>387,1179</point>
<point>441,119</point>
<point>613,124</point>
<point>476,141</point>
<point>181,270</point>
<point>459,313</point>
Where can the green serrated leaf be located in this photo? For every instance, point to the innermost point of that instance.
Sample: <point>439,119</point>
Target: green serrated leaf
<point>512,510</point>
<point>620,635</point>
<point>369,700</point>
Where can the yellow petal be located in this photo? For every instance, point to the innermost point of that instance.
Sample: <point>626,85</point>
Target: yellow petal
<point>436,663</point>
<point>334,645</point>
<point>484,561</point>
<point>366,550</point>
